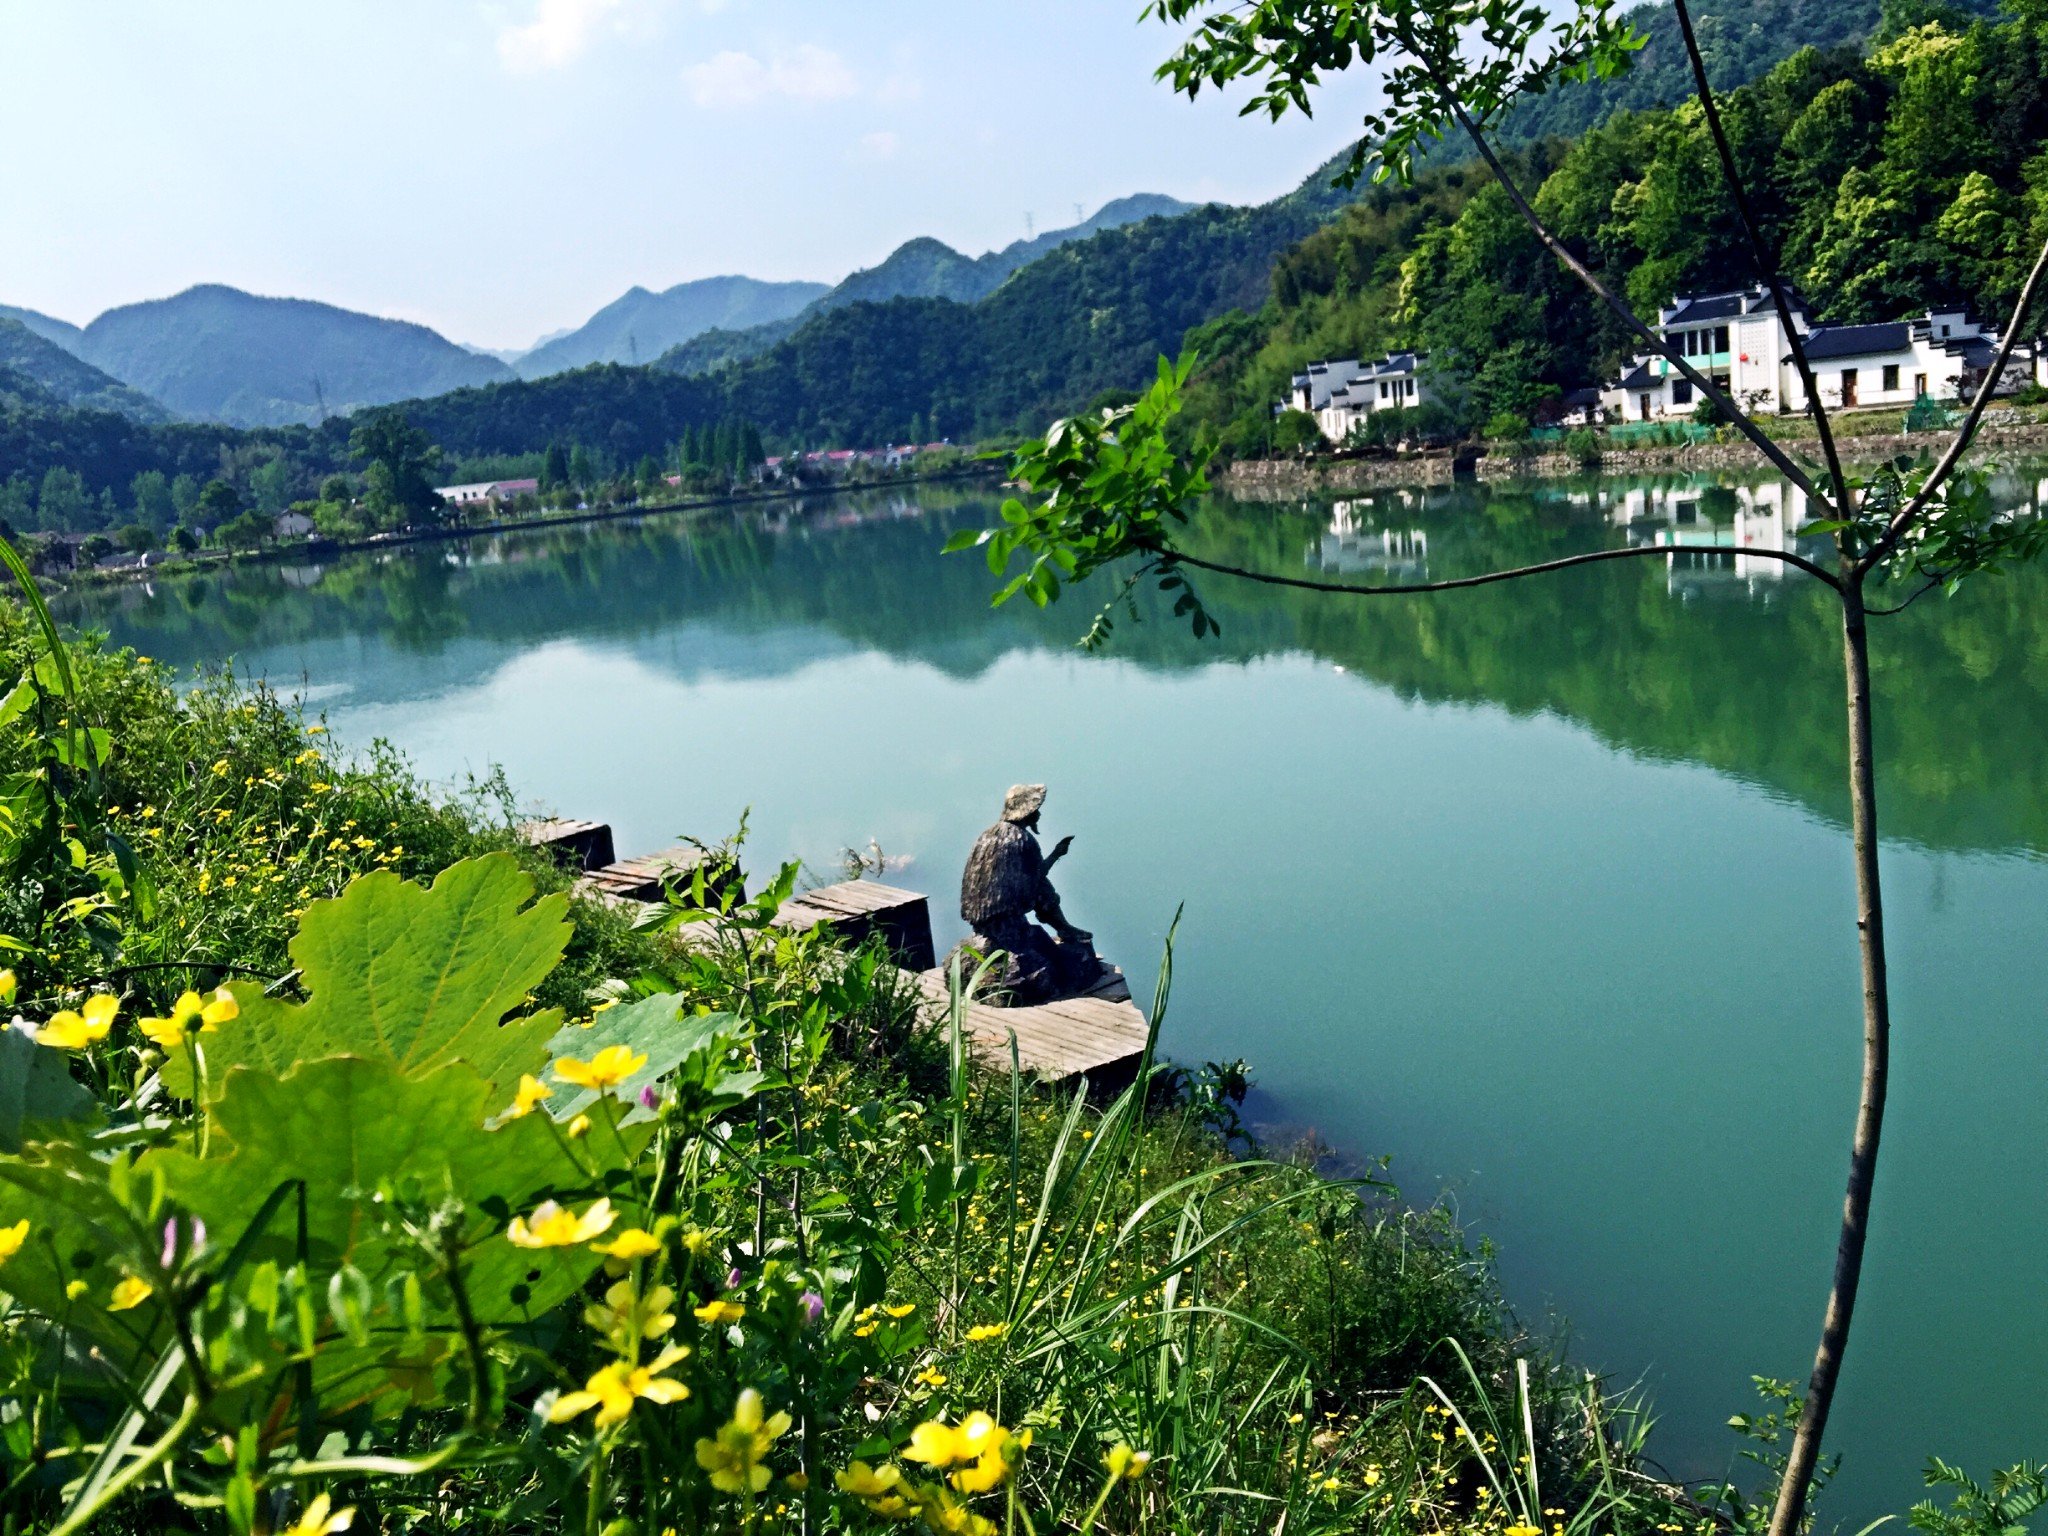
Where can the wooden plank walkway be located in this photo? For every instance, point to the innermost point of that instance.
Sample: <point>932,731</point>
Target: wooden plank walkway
<point>642,879</point>
<point>1100,1035</point>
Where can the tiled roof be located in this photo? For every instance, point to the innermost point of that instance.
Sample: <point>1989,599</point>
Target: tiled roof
<point>1833,341</point>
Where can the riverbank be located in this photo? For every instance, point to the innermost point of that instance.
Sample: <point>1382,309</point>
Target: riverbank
<point>1267,479</point>
<point>326,549</point>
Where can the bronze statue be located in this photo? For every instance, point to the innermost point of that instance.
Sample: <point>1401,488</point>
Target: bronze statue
<point>1005,885</point>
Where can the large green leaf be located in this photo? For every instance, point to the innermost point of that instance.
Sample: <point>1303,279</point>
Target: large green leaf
<point>415,976</point>
<point>655,1027</point>
<point>346,1125</point>
<point>36,1089</point>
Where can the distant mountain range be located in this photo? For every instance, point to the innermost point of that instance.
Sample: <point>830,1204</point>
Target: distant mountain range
<point>639,326</point>
<point>215,353</point>
<point>923,268</point>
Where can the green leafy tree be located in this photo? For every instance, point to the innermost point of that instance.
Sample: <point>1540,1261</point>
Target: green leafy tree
<point>401,459</point>
<point>151,495</point>
<point>1297,432</point>
<point>218,503</point>
<point>136,538</point>
<point>61,504</point>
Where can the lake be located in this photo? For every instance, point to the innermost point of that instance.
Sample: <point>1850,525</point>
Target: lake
<point>1541,890</point>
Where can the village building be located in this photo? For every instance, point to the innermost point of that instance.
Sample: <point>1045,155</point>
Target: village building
<point>1344,393</point>
<point>484,492</point>
<point>1738,341</point>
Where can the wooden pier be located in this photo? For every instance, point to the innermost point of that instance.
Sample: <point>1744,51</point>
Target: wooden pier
<point>1099,1036</point>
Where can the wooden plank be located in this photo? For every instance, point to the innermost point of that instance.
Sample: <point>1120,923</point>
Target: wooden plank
<point>643,879</point>
<point>584,845</point>
<point>858,908</point>
<point>1091,1037</point>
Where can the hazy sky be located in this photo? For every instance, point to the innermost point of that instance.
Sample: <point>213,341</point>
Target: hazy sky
<point>501,168</point>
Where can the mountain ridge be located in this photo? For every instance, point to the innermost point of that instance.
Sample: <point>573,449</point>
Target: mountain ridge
<point>641,324</point>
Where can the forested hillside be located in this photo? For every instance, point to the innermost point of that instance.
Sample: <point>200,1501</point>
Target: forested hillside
<point>69,381</point>
<point>220,354</point>
<point>1908,175</point>
<point>639,326</point>
<point>1740,40</point>
<point>923,268</point>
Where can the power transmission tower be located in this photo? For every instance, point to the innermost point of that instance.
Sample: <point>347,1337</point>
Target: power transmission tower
<point>319,400</point>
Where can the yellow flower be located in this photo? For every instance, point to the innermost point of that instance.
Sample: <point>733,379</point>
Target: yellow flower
<point>68,1031</point>
<point>1125,1463</point>
<point>734,1456</point>
<point>556,1226</point>
<point>11,1239</point>
<point>192,1015</point>
<point>983,1331</point>
<point>7,987</point>
<point>531,1091</point>
<point>939,1444</point>
<point>75,1290</point>
<point>930,1378</point>
<point>715,1313</point>
<point>633,1243</point>
<point>130,1294</point>
<point>579,1128</point>
<point>984,1451</point>
<point>950,1517</point>
<point>613,1390</point>
<point>625,1315</point>
<point>882,1489</point>
<point>607,1069</point>
<point>903,1311</point>
<point>321,1518</point>
<point>697,1242</point>
<point>1524,1530</point>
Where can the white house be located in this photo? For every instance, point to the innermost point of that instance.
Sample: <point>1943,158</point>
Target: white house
<point>1737,341</point>
<point>1341,395</point>
<point>483,491</point>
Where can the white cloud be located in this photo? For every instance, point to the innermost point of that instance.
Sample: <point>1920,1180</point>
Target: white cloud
<point>734,79</point>
<point>557,35</point>
<point>879,145</point>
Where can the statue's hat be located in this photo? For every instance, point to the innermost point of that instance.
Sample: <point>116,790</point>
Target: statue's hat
<point>1023,801</point>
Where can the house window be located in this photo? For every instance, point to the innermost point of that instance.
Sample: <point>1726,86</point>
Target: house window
<point>1643,406</point>
<point>1891,377</point>
<point>1681,392</point>
<point>1411,386</point>
<point>1919,384</point>
<point>1848,386</point>
<point>1720,338</point>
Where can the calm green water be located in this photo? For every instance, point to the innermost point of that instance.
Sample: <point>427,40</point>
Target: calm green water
<point>1540,890</point>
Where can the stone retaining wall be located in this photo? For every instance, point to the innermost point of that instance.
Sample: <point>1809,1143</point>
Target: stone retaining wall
<point>1257,479</point>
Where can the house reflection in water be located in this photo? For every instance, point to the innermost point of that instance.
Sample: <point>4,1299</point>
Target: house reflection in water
<point>1353,545</point>
<point>1735,521</point>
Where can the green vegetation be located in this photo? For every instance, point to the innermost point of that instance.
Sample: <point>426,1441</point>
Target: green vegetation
<point>38,370</point>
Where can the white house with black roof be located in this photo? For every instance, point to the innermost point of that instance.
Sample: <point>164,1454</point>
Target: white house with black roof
<point>1344,393</point>
<point>1737,340</point>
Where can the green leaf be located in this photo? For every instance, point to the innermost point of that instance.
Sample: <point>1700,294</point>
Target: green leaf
<point>652,1026</point>
<point>36,1090</point>
<point>402,973</point>
<point>19,700</point>
<point>346,1125</point>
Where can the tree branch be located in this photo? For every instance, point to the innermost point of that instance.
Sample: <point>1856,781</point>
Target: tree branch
<point>1903,518</point>
<point>1601,291</point>
<point>1766,259</point>
<point>1884,613</point>
<point>1515,573</point>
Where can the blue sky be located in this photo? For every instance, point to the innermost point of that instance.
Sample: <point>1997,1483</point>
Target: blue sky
<point>499,169</point>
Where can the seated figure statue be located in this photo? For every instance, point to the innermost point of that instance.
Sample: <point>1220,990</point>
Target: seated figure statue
<point>1003,888</point>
